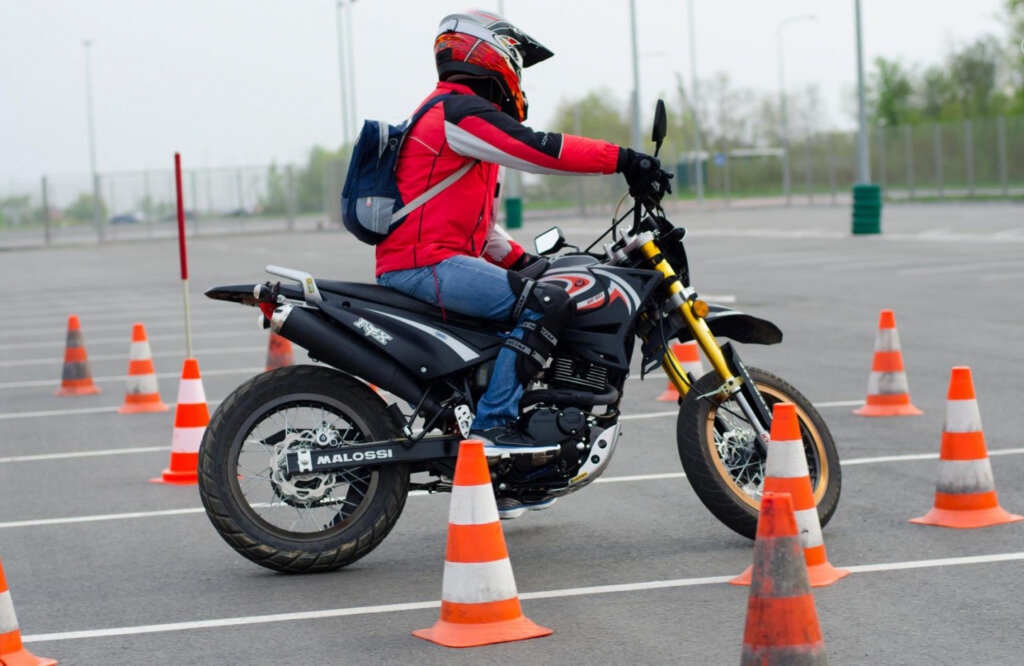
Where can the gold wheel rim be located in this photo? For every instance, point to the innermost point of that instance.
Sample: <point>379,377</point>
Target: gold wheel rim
<point>807,428</point>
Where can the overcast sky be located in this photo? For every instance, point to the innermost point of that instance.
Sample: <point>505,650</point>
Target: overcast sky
<point>240,82</point>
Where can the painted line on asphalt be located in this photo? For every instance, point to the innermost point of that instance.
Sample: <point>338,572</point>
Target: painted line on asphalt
<point>959,268</point>
<point>56,360</point>
<point>58,345</point>
<point>108,313</point>
<point>542,594</point>
<point>96,410</point>
<point>83,454</point>
<point>655,415</point>
<point>80,410</point>
<point>120,378</point>
<point>420,493</point>
<point>150,325</point>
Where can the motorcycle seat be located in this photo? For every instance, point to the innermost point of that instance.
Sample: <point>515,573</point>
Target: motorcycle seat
<point>375,293</point>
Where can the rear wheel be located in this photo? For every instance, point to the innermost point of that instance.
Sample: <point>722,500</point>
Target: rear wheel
<point>723,464</point>
<point>306,522</point>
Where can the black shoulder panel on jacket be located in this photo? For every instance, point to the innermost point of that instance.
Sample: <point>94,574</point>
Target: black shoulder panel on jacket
<point>460,107</point>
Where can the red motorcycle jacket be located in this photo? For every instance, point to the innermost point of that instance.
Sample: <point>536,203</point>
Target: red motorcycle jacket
<point>460,220</point>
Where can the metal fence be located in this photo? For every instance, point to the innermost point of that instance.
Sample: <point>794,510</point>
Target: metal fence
<point>966,159</point>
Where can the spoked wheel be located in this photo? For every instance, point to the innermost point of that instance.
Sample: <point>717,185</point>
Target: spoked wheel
<point>305,522</point>
<point>726,467</point>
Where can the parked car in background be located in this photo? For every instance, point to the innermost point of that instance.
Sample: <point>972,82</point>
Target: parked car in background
<point>127,218</point>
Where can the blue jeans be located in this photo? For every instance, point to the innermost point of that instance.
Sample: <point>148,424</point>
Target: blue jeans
<point>474,287</point>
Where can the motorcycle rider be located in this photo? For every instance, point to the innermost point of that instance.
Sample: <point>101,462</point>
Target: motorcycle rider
<point>449,252</point>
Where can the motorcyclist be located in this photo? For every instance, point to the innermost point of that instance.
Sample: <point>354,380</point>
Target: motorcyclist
<point>449,252</point>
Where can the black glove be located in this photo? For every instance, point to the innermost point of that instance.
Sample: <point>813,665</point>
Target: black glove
<point>643,173</point>
<point>523,261</point>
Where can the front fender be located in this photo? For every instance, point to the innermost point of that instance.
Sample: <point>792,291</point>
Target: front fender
<point>724,323</point>
<point>728,323</point>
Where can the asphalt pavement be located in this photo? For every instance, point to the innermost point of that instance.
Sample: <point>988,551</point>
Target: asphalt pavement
<point>106,568</point>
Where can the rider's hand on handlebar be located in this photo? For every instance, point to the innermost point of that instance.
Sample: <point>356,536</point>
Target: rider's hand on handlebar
<point>526,259</point>
<point>643,174</point>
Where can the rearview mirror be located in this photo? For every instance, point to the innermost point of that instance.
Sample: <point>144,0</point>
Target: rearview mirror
<point>550,241</point>
<point>660,125</point>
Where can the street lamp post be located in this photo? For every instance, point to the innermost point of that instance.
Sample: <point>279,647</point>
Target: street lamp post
<point>97,216</point>
<point>784,120</point>
<point>699,175</point>
<point>863,171</point>
<point>867,198</point>
<point>339,7</point>
<point>350,57</point>
<point>637,141</point>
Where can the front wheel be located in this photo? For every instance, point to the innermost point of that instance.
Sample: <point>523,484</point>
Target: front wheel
<point>304,522</point>
<point>723,464</point>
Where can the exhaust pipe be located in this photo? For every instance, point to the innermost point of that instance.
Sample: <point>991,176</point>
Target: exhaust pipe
<point>335,347</point>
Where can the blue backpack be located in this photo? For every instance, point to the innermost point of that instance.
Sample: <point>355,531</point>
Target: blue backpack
<point>371,206</point>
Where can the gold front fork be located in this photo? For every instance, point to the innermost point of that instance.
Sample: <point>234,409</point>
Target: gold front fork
<point>701,333</point>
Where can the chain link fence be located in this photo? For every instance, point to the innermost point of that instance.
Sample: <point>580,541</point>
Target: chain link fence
<point>982,158</point>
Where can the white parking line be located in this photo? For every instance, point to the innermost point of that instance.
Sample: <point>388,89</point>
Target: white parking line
<point>996,277</point>
<point>58,345</point>
<point>95,410</point>
<point>80,410</point>
<point>120,378</point>
<point>107,313</point>
<point>40,522</point>
<point>958,268</point>
<point>35,334</point>
<point>82,454</point>
<point>542,594</point>
<point>56,358</point>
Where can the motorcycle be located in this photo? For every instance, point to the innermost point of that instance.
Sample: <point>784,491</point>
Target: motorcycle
<point>307,468</point>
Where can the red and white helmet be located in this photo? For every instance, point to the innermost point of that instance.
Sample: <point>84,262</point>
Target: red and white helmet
<point>483,45</point>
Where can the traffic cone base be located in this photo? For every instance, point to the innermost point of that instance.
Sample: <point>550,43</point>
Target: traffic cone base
<point>12,652</point>
<point>888,389</point>
<point>76,377</point>
<point>454,634</point>
<point>191,416</point>
<point>819,575</point>
<point>479,601</point>
<point>967,518</point>
<point>182,470</point>
<point>688,355</point>
<point>965,494</point>
<point>888,405</point>
<point>139,404</point>
<point>23,657</point>
<point>69,388</point>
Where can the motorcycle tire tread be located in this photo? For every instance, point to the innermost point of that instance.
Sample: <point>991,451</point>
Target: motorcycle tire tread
<point>394,484</point>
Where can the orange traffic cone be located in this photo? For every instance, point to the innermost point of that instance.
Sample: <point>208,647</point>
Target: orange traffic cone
<point>479,601</point>
<point>888,391</point>
<point>965,495</point>
<point>279,352</point>
<point>191,417</point>
<point>782,623</point>
<point>786,472</point>
<point>12,652</point>
<point>688,354</point>
<point>141,394</point>
<point>76,378</point>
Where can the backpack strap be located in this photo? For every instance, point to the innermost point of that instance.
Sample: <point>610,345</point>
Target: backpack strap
<point>444,184</point>
<point>432,192</point>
